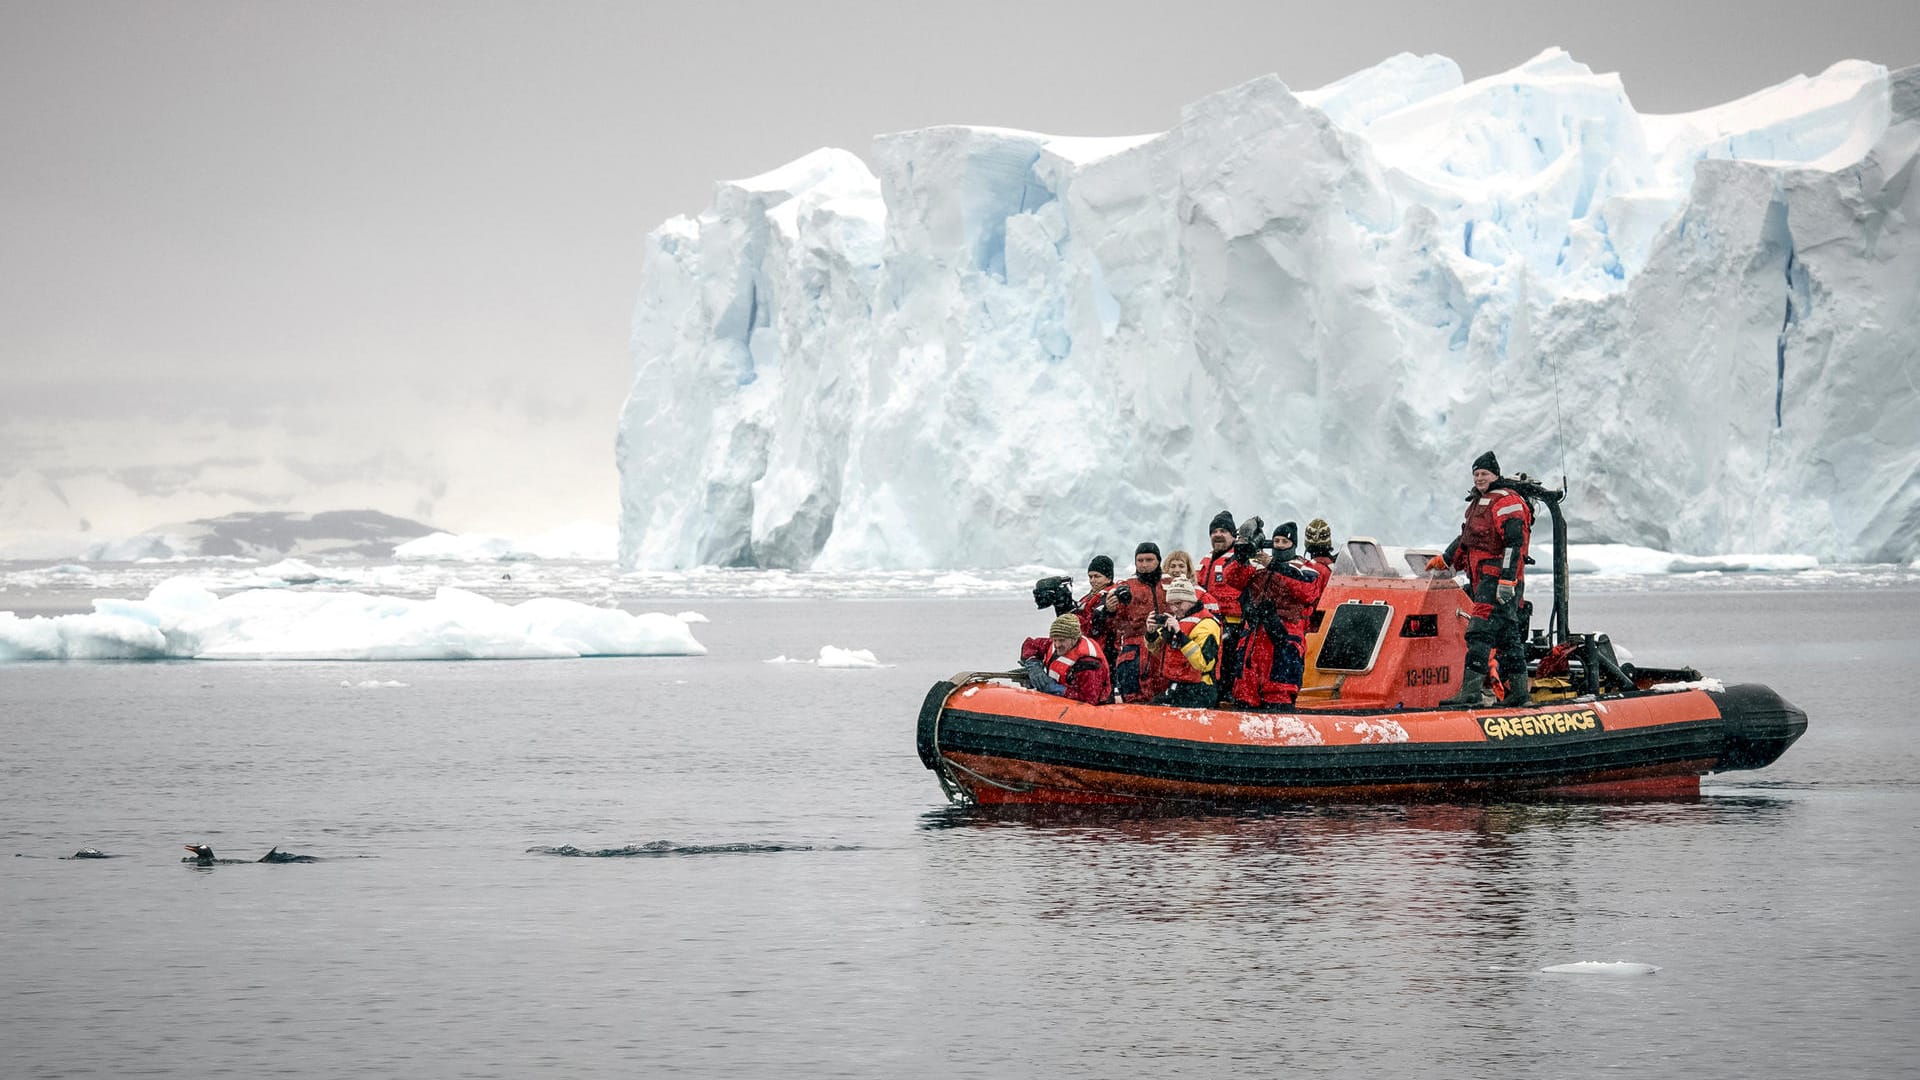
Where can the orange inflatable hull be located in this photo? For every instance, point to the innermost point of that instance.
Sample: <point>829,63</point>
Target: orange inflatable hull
<point>1001,744</point>
<point>1372,732</point>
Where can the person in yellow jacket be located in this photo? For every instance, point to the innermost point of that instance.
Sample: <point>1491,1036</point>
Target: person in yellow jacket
<point>1189,639</point>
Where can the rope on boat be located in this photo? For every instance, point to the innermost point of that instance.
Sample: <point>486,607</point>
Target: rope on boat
<point>1018,788</point>
<point>956,792</point>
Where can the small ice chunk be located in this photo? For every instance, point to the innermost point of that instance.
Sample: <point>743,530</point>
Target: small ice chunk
<point>1601,967</point>
<point>1712,686</point>
<point>291,571</point>
<point>832,656</point>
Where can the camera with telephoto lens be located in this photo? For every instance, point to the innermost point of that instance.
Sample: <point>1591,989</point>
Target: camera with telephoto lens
<point>1054,592</point>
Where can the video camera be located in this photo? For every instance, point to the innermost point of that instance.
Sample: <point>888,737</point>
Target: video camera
<point>1055,592</point>
<point>1252,537</point>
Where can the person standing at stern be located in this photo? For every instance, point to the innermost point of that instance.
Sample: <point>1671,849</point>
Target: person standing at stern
<point>1492,550</point>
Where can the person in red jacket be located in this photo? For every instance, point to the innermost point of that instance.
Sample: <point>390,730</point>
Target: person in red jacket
<point>1067,663</point>
<point>1275,603</point>
<point>1320,545</point>
<point>1211,574</point>
<point>1095,620</point>
<point>1128,604</point>
<point>1189,648</point>
<point>1492,550</point>
<point>1216,574</point>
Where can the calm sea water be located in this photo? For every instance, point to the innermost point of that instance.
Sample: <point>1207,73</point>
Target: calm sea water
<point>802,903</point>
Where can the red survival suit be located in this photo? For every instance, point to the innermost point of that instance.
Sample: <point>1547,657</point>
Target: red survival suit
<point>1096,621</point>
<point>1129,628</point>
<point>1491,549</point>
<point>1275,603</point>
<point>1217,575</point>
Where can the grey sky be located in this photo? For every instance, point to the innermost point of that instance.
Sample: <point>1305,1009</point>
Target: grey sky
<point>312,255</point>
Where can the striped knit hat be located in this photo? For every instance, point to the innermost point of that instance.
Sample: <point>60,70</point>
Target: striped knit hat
<point>1180,592</point>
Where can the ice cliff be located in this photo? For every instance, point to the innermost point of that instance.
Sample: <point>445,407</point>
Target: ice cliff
<point>998,347</point>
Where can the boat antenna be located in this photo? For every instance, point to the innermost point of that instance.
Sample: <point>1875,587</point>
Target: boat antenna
<point>1559,425</point>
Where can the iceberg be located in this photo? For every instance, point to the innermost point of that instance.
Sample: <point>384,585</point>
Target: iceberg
<point>181,619</point>
<point>980,347</point>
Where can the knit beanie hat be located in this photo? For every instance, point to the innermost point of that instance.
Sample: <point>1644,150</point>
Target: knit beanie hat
<point>1147,547</point>
<point>1101,564</point>
<point>1221,520</point>
<point>1488,462</point>
<point>1289,530</point>
<point>1064,628</point>
<point>1319,535</point>
<point>1180,592</point>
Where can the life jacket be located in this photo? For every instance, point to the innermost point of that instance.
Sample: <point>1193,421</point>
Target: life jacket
<point>1213,572</point>
<point>1483,535</point>
<point>1084,653</point>
<point>1195,661</point>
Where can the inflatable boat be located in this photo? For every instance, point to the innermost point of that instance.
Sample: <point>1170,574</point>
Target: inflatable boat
<point>1383,649</point>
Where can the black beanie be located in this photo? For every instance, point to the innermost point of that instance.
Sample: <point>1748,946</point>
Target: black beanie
<point>1289,530</point>
<point>1147,547</point>
<point>1488,462</point>
<point>1221,520</point>
<point>1101,564</point>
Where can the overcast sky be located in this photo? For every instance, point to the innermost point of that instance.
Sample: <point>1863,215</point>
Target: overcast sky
<point>309,255</point>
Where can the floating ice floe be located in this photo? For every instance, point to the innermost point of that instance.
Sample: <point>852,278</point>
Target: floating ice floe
<point>182,619</point>
<point>1627,559</point>
<point>1601,967</point>
<point>832,656</point>
<point>586,541</point>
<point>835,657</point>
<point>692,617</point>
<point>371,684</point>
<point>283,573</point>
<point>1711,685</point>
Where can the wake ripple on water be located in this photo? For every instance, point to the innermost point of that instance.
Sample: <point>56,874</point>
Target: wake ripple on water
<point>664,848</point>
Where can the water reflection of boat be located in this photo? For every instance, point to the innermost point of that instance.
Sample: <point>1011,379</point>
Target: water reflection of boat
<point>1382,653</point>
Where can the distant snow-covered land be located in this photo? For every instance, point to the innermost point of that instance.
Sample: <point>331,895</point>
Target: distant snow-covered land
<point>367,534</point>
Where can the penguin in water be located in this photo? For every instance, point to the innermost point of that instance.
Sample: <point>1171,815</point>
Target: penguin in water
<point>203,856</point>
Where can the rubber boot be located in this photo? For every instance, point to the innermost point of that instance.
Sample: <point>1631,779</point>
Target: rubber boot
<point>1471,683</point>
<point>1517,694</point>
